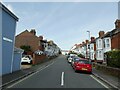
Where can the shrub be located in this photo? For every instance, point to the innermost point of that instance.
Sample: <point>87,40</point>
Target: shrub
<point>113,58</point>
<point>26,48</point>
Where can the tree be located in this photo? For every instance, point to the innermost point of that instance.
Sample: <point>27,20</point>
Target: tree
<point>80,55</point>
<point>26,48</point>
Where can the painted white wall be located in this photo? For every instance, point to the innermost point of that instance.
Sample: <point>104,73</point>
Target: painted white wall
<point>107,44</point>
<point>99,49</point>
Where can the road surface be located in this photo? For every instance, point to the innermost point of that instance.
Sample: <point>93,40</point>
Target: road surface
<point>58,74</point>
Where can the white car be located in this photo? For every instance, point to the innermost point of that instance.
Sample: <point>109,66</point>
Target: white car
<point>26,58</point>
<point>70,59</point>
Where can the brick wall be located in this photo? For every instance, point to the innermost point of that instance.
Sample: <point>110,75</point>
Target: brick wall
<point>108,70</point>
<point>115,41</point>
<point>38,59</point>
<point>26,38</point>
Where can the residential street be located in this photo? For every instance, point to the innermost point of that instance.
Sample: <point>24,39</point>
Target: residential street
<point>58,74</point>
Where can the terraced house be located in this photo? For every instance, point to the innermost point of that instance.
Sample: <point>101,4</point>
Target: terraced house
<point>36,44</point>
<point>99,46</point>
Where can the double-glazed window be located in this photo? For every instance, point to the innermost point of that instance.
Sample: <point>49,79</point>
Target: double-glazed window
<point>99,54</point>
<point>107,43</point>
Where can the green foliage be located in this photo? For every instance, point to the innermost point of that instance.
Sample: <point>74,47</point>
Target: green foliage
<point>26,48</point>
<point>71,52</point>
<point>113,58</point>
<point>80,55</point>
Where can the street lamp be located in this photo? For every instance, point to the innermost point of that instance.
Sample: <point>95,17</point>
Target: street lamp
<point>89,34</point>
<point>89,43</point>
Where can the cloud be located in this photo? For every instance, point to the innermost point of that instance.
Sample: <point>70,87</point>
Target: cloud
<point>0,0</point>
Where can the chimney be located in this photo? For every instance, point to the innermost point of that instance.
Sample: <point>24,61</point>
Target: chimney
<point>92,39</point>
<point>101,33</point>
<point>83,43</point>
<point>117,24</point>
<point>41,37</point>
<point>33,31</point>
<point>87,41</point>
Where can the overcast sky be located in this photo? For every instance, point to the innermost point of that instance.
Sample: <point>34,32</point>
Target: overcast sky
<point>66,23</point>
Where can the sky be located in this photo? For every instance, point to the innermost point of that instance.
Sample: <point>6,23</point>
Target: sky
<point>66,23</point>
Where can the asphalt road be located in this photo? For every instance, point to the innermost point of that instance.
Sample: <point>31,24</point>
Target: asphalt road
<point>58,74</point>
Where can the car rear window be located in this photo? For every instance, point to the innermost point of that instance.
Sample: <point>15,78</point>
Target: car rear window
<point>84,61</point>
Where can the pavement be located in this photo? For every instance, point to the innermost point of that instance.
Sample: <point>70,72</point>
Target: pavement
<point>113,81</point>
<point>24,72</point>
<point>13,77</point>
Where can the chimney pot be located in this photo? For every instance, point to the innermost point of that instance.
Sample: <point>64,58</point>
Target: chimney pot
<point>33,31</point>
<point>101,33</point>
<point>117,24</point>
<point>92,39</point>
<point>41,37</point>
<point>87,41</point>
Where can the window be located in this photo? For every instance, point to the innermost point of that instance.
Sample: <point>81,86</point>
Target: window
<point>100,44</point>
<point>97,44</point>
<point>107,43</point>
<point>104,43</point>
<point>92,46</point>
<point>100,54</point>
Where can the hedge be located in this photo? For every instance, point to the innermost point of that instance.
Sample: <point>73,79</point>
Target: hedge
<point>113,58</point>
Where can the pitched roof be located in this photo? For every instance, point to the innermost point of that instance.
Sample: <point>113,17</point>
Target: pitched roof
<point>8,11</point>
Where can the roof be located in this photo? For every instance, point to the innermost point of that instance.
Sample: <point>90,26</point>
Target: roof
<point>111,33</point>
<point>18,50</point>
<point>8,11</point>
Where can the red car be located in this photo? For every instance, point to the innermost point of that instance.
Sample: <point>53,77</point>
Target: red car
<point>82,65</point>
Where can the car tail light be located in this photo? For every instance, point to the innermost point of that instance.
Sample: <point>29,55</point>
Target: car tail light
<point>89,66</point>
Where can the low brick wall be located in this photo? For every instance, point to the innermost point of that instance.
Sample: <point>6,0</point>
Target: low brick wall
<point>108,70</point>
<point>39,59</point>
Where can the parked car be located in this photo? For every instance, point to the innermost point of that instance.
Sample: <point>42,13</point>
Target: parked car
<point>26,58</point>
<point>70,59</point>
<point>82,65</point>
<point>67,56</point>
<point>75,58</point>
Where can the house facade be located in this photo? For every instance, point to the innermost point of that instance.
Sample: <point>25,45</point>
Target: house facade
<point>27,38</point>
<point>92,48</point>
<point>115,36</point>
<point>7,40</point>
<point>99,47</point>
<point>38,44</point>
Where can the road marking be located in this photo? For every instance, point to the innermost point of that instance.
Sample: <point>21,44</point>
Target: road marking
<point>99,81</point>
<point>62,79</point>
<point>30,75</point>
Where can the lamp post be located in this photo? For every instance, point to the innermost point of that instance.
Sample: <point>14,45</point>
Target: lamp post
<point>89,43</point>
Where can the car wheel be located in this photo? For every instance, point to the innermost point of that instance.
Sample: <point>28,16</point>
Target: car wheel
<point>75,69</point>
<point>31,62</point>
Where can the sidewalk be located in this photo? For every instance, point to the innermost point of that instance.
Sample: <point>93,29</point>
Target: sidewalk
<point>109,79</point>
<point>15,76</point>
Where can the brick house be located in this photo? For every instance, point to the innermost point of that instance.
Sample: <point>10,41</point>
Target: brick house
<point>39,48</point>
<point>107,42</point>
<point>27,38</point>
<point>115,36</point>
